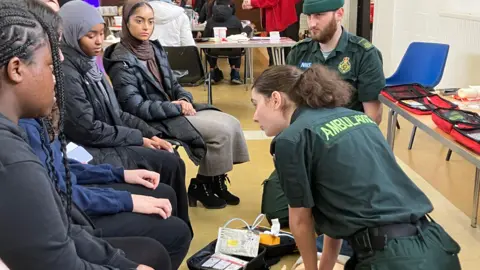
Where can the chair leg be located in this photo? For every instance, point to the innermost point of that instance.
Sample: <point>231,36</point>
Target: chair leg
<point>398,125</point>
<point>449,155</point>
<point>412,138</point>
<point>209,89</point>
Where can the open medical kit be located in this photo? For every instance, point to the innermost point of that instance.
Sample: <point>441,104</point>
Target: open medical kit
<point>416,98</point>
<point>248,248</point>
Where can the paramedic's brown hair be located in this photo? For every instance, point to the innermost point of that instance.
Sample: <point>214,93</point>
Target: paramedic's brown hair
<point>316,87</point>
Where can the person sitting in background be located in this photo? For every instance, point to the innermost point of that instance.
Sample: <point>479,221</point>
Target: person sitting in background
<point>207,10</point>
<point>172,25</point>
<point>146,87</point>
<point>93,118</point>
<point>222,16</point>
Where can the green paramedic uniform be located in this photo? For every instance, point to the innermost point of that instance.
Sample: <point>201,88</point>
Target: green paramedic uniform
<point>359,63</point>
<point>337,162</point>
<point>355,59</point>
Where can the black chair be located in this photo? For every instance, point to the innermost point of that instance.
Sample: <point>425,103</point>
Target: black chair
<point>186,61</point>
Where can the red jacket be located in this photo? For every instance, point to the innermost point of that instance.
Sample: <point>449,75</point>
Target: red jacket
<point>279,14</point>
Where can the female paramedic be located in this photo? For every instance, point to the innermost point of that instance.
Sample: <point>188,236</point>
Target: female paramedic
<point>339,174</point>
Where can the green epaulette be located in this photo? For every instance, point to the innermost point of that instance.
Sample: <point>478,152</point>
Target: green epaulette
<point>303,41</point>
<point>365,44</point>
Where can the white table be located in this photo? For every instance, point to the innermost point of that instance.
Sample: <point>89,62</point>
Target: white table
<point>425,123</point>
<point>278,52</point>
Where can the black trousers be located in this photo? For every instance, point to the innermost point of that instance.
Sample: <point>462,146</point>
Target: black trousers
<point>170,167</point>
<point>290,32</point>
<point>173,233</point>
<point>142,250</point>
<point>233,61</point>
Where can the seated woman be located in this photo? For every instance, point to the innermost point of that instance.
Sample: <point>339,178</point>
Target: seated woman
<point>113,195</point>
<point>341,178</point>
<point>93,118</point>
<point>146,87</point>
<point>223,17</point>
<point>35,230</point>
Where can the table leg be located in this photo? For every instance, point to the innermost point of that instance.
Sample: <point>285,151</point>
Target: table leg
<point>282,55</point>
<point>394,128</point>
<point>389,127</point>
<point>476,191</point>
<point>250,64</point>
<point>274,54</point>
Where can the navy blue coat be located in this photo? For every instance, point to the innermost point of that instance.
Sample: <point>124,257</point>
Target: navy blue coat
<point>92,200</point>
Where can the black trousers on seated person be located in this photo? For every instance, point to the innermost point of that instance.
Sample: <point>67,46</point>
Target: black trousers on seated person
<point>142,250</point>
<point>233,61</point>
<point>173,233</point>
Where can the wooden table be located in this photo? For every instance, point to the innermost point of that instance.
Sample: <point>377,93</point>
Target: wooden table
<point>425,123</point>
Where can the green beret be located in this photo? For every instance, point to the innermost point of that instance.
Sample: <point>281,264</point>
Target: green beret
<point>320,6</point>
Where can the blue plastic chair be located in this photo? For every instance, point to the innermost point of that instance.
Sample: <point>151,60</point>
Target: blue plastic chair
<point>423,63</point>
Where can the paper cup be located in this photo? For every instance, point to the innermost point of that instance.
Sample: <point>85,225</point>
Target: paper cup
<point>118,20</point>
<point>275,35</point>
<point>219,33</point>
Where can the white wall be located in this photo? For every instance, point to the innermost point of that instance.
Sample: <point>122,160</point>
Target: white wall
<point>397,23</point>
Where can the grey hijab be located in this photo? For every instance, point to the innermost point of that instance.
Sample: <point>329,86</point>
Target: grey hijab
<point>78,19</point>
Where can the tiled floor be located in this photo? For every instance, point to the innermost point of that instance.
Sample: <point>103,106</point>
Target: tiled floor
<point>449,185</point>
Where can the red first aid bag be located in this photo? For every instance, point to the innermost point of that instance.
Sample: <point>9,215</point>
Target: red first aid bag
<point>468,137</point>
<point>446,119</point>
<point>416,98</point>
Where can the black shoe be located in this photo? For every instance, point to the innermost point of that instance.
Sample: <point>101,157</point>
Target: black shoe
<point>217,75</point>
<point>202,191</point>
<point>220,189</point>
<point>235,77</point>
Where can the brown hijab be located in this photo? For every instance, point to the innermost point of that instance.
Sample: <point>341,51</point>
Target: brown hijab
<point>143,50</point>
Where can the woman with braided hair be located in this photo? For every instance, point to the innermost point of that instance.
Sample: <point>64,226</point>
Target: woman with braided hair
<point>36,231</point>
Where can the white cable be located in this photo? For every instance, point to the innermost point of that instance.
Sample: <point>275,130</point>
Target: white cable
<point>257,222</point>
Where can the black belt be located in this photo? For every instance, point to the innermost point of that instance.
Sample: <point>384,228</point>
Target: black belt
<point>364,243</point>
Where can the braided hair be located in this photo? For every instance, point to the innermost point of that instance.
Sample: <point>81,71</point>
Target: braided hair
<point>26,26</point>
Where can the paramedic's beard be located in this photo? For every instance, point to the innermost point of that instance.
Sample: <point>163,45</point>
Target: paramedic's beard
<point>327,34</point>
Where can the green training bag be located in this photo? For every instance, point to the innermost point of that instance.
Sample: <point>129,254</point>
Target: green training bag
<point>274,202</point>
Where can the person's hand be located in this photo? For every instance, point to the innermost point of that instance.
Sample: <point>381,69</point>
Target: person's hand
<point>162,144</point>
<point>253,26</point>
<point>187,107</point>
<point>145,178</point>
<point>199,34</point>
<point>150,205</point>
<point>144,267</point>
<point>149,143</point>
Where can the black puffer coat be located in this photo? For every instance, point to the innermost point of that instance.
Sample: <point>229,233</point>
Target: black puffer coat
<point>140,94</point>
<point>103,130</point>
